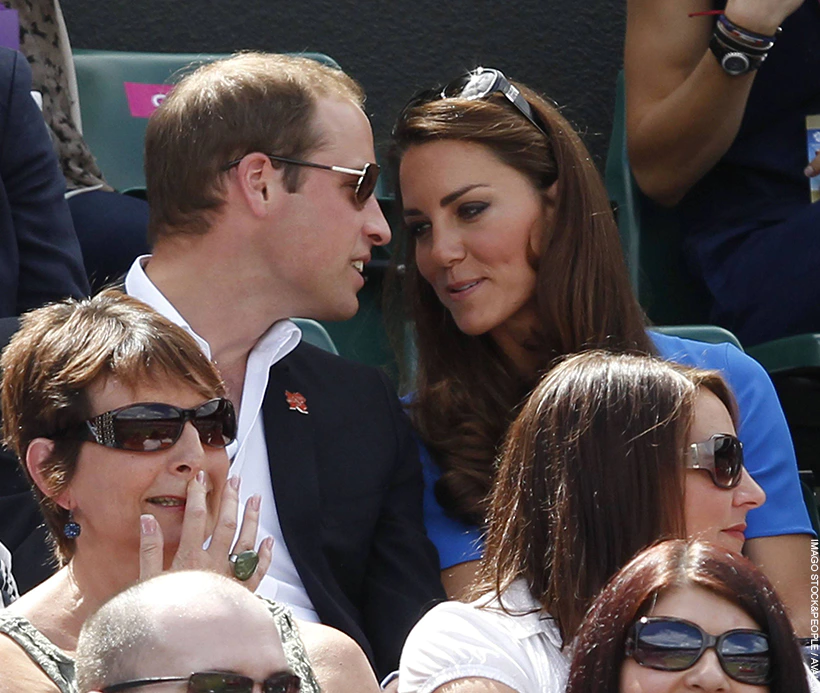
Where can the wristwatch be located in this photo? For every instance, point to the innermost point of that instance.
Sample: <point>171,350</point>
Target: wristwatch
<point>733,61</point>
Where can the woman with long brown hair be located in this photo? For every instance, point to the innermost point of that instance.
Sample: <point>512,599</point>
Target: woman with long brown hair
<point>512,259</point>
<point>610,453</point>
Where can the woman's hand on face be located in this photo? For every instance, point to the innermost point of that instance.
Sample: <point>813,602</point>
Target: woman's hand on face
<point>761,16</point>
<point>190,555</point>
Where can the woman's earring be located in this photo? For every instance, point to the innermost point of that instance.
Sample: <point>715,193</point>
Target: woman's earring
<point>72,529</point>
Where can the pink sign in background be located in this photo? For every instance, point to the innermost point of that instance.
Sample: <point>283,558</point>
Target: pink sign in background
<point>143,99</point>
<point>9,28</point>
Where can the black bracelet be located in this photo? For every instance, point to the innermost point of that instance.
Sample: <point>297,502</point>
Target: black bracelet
<point>751,39</point>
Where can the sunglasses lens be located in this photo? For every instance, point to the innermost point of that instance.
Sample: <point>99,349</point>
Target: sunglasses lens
<point>667,645</point>
<point>728,461</point>
<point>367,183</point>
<point>219,683</point>
<point>282,683</point>
<point>745,657</point>
<point>147,427</point>
<point>216,423</point>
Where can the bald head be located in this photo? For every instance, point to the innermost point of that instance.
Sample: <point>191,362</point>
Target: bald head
<point>176,624</point>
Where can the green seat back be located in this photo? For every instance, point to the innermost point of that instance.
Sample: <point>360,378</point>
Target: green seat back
<point>313,333</point>
<point>700,333</point>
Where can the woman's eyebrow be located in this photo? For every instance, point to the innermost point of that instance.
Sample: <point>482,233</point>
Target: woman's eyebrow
<point>453,196</point>
<point>448,199</point>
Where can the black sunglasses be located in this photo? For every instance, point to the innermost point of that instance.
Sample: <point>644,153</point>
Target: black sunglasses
<point>153,426</point>
<point>368,176</point>
<point>721,456</point>
<point>477,84</point>
<point>672,644</point>
<point>217,682</point>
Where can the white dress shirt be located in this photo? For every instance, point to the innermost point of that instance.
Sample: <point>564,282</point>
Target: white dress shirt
<point>454,640</point>
<point>249,453</point>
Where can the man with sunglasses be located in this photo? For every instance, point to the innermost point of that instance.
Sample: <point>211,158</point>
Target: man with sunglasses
<point>185,631</point>
<point>260,174</point>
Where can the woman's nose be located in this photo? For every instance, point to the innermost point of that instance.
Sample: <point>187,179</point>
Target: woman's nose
<point>707,675</point>
<point>748,492</point>
<point>447,247</point>
<point>188,453</point>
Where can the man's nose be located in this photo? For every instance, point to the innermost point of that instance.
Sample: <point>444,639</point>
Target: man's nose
<point>376,227</point>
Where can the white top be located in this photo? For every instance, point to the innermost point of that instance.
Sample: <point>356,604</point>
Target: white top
<point>249,453</point>
<point>521,649</point>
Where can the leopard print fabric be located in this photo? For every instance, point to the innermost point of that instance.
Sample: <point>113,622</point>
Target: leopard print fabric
<point>44,42</point>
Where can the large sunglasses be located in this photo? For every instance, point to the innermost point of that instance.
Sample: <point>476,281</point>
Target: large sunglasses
<point>365,185</point>
<point>217,682</point>
<point>672,644</point>
<point>478,84</point>
<point>153,426</point>
<point>721,456</point>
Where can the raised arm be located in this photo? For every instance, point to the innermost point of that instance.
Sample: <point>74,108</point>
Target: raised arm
<point>683,110</point>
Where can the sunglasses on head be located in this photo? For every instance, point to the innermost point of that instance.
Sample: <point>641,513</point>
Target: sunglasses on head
<point>721,456</point>
<point>673,644</point>
<point>153,426</point>
<point>217,682</point>
<point>367,177</point>
<point>478,84</point>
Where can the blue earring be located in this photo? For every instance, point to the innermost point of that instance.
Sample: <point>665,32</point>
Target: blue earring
<point>72,529</point>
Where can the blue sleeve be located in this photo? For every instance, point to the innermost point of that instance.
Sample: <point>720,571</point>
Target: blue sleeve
<point>42,260</point>
<point>767,443</point>
<point>456,541</point>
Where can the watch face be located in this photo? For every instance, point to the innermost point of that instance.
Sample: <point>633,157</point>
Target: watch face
<point>735,63</point>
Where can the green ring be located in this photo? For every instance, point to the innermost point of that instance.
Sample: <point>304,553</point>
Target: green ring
<point>244,564</point>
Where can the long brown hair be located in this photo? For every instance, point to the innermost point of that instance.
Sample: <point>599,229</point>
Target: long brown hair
<point>591,473</point>
<point>466,391</point>
<point>599,649</point>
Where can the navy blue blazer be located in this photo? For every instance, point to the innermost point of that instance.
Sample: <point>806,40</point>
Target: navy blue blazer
<point>40,257</point>
<point>348,487</point>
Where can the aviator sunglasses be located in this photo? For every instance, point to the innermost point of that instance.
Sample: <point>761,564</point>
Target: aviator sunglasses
<point>153,426</point>
<point>673,644</point>
<point>217,682</point>
<point>478,84</point>
<point>721,456</point>
<point>365,186</point>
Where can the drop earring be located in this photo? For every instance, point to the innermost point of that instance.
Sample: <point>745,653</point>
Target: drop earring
<point>71,529</point>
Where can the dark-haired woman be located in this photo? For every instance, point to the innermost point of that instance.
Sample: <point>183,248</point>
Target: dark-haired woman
<point>688,616</point>
<point>512,260</point>
<point>610,453</point>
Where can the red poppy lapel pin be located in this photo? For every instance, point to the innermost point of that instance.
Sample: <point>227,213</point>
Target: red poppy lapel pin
<point>296,402</point>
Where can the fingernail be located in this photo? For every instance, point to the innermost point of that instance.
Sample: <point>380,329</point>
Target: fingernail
<point>808,171</point>
<point>268,543</point>
<point>200,477</point>
<point>255,501</point>
<point>234,482</point>
<point>148,524</point>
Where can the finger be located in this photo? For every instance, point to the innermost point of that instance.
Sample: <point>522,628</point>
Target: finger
<point>265,557</point>
<point>194,521</point>
<point>151,547</point>
<point>814,167</point>
<point>226,524</point>
<point>250,525</point>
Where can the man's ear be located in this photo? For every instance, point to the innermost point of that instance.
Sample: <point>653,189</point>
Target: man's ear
<point>38,453</point>
<point>259,182</point>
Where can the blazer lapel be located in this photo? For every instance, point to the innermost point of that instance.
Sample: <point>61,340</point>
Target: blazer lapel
<point>291,456</point>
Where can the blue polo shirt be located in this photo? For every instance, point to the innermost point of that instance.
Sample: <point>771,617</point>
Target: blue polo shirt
<point>767,447</point>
